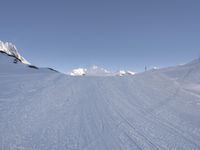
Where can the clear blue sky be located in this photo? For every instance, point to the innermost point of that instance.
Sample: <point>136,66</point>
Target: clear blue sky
<point>114,34</point>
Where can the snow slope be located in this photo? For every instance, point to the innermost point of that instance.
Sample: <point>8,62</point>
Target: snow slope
<point>40,110</point>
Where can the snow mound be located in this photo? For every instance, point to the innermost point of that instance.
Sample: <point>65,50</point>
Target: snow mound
<point>11,50</point>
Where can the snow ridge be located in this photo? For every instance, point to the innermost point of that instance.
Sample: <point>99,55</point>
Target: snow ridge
<point>11,49</point>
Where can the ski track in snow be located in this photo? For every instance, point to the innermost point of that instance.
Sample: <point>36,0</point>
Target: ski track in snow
<point>51,111</point>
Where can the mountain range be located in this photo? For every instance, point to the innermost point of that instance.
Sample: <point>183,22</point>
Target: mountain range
<point>98,71</point>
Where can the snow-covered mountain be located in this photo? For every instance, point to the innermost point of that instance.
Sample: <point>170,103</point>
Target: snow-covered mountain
<point>98,71</point>
<point>78,72</point>
<point>44,110</point>
<point>91,71</point>
<point>12,62</point>
<point>11,50</point>
<point>124,73</point>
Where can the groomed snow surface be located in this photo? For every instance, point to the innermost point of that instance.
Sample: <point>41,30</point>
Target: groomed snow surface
<point>43,110</point>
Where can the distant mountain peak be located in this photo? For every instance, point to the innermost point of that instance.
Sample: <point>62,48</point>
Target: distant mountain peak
<point>91,71</point>
<point>78,72</point>
<point>10,49</point>
<point>123,73</point>
<point>98,71</point>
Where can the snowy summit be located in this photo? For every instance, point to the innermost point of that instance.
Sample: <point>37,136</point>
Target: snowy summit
<point>123,73</point>
<point>91,71</point>
<point>78,72</point>
<point>11,50</point>
<point>98,71</point>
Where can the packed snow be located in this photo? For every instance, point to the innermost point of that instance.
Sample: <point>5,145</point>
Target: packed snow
<point>45,110</point>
